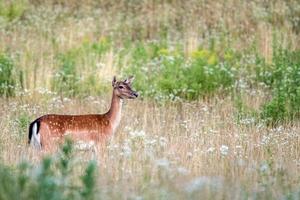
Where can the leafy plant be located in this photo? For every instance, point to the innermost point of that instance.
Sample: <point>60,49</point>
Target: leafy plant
<point>284,81</point>
<point>23,121</point>
<point>53,178</point>
<point>89,182</point>
<point>72,78</point>
<point>7,81</point>
<point>66,79</point>
<point>165,73</point>
<point>12,10</point>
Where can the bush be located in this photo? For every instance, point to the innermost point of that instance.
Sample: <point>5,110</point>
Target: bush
<point>7,82</point>
<point>77,71</point>
<point>54,178</point>
<point>164,73</point>
<point>283,78</point>
<point>22,120</point>
<point>12,10</point>
<point>66,79</point>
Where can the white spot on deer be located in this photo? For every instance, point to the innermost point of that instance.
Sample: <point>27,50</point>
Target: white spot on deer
<point>84,145</point>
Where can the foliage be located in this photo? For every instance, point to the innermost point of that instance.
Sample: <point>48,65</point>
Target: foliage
<point>71,78</point>
<point>283,78</point>
<point>66,79</point>
<point>88,191</point>
<point>176,50</point>
<point>12,10</point>
<point>245,115</point>
<point>164,73</point>
<point>7,82</point>
<point>22,121</point>
<point>52,179</point>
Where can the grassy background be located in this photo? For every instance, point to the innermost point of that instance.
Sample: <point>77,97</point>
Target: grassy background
<point>219,107</point>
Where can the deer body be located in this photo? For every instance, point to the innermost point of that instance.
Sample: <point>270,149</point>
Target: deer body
<point>46,130</point>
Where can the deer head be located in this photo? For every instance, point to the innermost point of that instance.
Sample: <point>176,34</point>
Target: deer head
<point>123,88</point>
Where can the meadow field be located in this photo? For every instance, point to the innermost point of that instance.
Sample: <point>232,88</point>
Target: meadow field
<point>217,115</point>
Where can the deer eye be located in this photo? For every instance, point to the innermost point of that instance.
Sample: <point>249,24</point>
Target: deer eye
<point>121,87</point>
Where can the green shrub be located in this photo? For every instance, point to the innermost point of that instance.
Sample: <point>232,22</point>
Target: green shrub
<point>76,74</point>
<point>283,78</point>
<point>12,10</point>
<point>54,178</point>
<point>100,47</point>
<point>7,82</point>
<point>245,114</point>
<point>8,179</point>
<point>164,73</point>
<point>22,121</point>
<point>66,79</point>
<point>89,182</point>
<point>275,110</point>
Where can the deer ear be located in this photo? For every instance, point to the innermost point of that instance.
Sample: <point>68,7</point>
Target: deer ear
<point>114,81</point>
<point>129,80</point>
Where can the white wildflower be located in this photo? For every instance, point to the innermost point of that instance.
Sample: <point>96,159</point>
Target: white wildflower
<point>162,163</point>
<point>126,150</point>
<point>137,134</point>
<point>65,99</point>
<point>265,140</point>
<point>224,150</point>
<point>113,146</point>
<point>183,171</point>
<point>84,145</point>
<point>264,167</point>
<point>203,182</point>
<point>151,142</point>
<point>210,150</point>
<point>100,65</point>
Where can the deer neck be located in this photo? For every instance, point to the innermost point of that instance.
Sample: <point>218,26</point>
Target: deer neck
<point>114,113</point>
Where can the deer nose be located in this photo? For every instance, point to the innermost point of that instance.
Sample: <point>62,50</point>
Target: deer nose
<point>135,94</point>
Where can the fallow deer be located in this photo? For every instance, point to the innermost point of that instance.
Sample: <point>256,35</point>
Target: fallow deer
<point>45,130</point>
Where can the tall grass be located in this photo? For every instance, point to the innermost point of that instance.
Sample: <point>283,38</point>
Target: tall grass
<point>175,150</point>
<point>7,79</point>
<point>218,114</point>
<point>171,75</point>
<point>51,179</point>
<point>47,30</point>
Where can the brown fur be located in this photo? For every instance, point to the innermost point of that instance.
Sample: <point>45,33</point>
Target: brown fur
<point>78,127</point>
<point>94,127</point>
